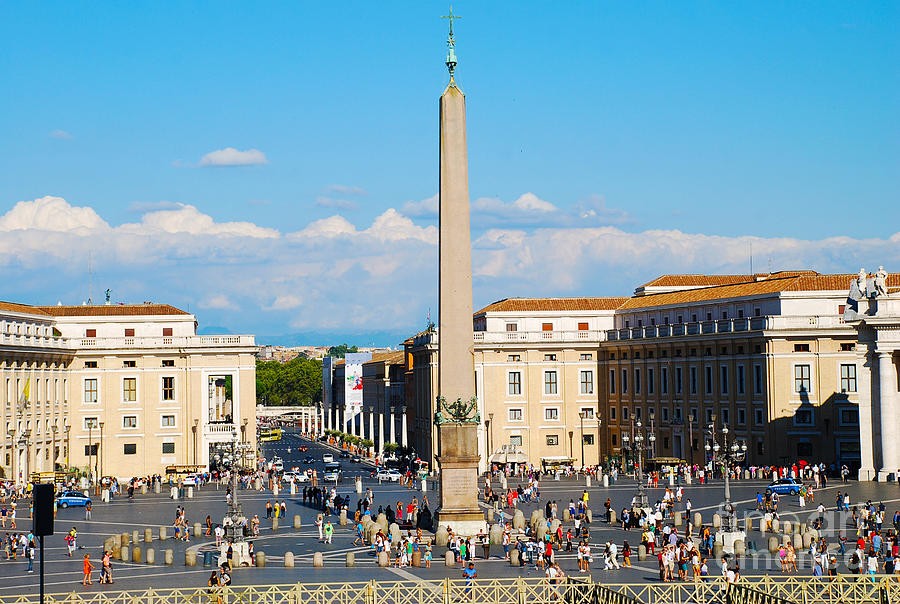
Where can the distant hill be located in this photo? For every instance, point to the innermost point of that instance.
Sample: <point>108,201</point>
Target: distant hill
<point>213,330</point>
<point>333,338</point>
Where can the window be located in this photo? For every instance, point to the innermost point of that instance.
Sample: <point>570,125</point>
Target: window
<point>803,417</point>
<point>624,381</point>
<point>129,332</point>
<point>802,380</point>
<point>723,373</point>
<point>129,421</point>
<point>801,347</point>
<point>664,380</point>
<point>624,414</point>
<point>549,357</point>
<point>708,386</point>
<point>740,379</point>
<point>849,417</point>
<point>709,414</point>
<point>551,414</point>
<point>612,381</point>
<point>709,316</point>
<point>91,423</point>
<point>553,440</point>
<point>637,413</point>
<point>637,381</point>
<point>588,412</point>
<point>678,381</point>
<point>168,389</point>
<point>90,333</point>
<point>615,440</point>
<point>588,439</point>
<point>546,326</point>
<point>512,327</point>
<point>759,417</point>
<point>848,347</point>
<point>665,414</point>
<point>515,415</point>
<point>90,390</point>
<point>168,448</point>
<point>665,442</point>
<point>90,364</point>
<point>167,332</point>
<point>129,389</point>
<point>693,371</point>
<point>612,413</point>
<point>168,421</point>
<point>726,416</point>
<point>742,417</point>
<point>585,356</point>
<point>513,358</point>
<point>612,356</point>
<point>650,381</point>
<point>848,378</point>
<point>129,449</point>
<point>586,381</point>
<point>550,385</point>
<point>759,447</point>
<point>757,379</point>
<point>168,363</point>
<point>582,327</point>
<point>129,363</point>
<point>91,449</point>
<point>515,382</point>
<point>515,440</point>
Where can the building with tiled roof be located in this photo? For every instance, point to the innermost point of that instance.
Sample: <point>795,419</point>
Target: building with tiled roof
<point>119,390</point>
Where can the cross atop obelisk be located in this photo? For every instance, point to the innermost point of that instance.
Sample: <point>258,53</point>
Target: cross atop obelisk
<point>456,405</point>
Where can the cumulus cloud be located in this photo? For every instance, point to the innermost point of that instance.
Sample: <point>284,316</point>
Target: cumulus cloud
<point>229,156</point>
<point>426,207</point>
<point>339,273</point>
<point>527,203</point>
<point>61,135</point>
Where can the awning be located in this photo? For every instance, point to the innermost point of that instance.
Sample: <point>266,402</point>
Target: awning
<point>509,455</point>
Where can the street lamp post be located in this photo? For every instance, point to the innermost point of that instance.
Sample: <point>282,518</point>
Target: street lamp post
<point>194,429</point>
<point>68,429</point>
<point>599,442</point>
<point>581,415</point>
<point>490,435</point>
<point>91,475</point>
<point>100,454</point>
<point>571,434</point>
<point>54,429</point>
<point>727,453</point>
<point>636,444</point>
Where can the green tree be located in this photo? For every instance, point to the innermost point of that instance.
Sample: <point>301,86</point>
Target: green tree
<point>297,382</point>
<point>341,350</point>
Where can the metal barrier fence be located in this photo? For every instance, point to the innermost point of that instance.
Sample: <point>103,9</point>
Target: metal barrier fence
<point>794,590</point>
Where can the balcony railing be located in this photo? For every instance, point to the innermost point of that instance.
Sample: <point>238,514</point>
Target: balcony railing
<point>33,341</point>
<point>494,337</point>
<point>165,342</point>
<point>725,326</point>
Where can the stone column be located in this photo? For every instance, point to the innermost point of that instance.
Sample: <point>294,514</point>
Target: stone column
<point>379,446</point>
<point>403,436</point>
<point>393,425</point>
<point>888,408</point>
<point>371,434</point>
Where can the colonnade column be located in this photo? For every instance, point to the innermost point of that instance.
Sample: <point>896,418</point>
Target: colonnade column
<point>890,428</point>
<point>403,436</point>
<point>379,446</point>
<point>371,434</point>
<point>393,427</point>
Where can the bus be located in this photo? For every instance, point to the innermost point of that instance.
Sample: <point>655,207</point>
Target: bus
<point>270,434</point>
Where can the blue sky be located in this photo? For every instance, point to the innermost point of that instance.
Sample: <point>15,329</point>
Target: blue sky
<point>608,143</point>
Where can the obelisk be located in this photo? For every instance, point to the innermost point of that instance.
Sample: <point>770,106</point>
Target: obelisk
<point>457,415</point>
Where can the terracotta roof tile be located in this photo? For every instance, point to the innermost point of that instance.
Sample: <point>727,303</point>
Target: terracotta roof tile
<point>553,304</point>
<point>112,310</point>
<point>696,280</point>
<point>22,308</point>
<point>388,358</point>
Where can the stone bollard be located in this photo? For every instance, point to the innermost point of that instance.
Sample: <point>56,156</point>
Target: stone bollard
<point>198,529</point>
<point>350,560</point>
<point>190,492</point>
<point>274,524</point>
<point>163,535</point>
<point>293,488</point>
<point>717,521</point>
<point>537,517</point>
<point>318,560</point>
<point>606,480</point>
<point>382,521</point>
<point>383,560</point>
<point>589,515</point>
<point>157,488</point>
<point>190,557</point>
<point>773,545</point>
<point>642,552</point>
<point>298,523</point>
<point>490,516</point>
<point>151,556</point>
<point>125,539</point>
<point>518,521</point>
<point>786,539</point>
<point>807,540</point>
<point>169,557</point>
<point>746,474</point>
<point>748,524</point>
<point>260,559</point>
<point>613,519</point>
<point>416,559</point>
<point>496,534</point>
<point>289,559</point>
<point>786,526</point>
<point>541,531</point>
<point>740,548</point>
<point>554,525</point>
<point>343,518</point>
<point>513,557</point>
<point>125,554</point>
<point>587,481</point>
<point>148,535</point>
<point>798,541</point>
<point>449,559</point>
<point>762,525</point>
<point>776,525</point>
<point>143,489</point>
<point>717,550</point>
<point>173,493</point>
<point>441,537</point>
<point>394,530</point>
<point>567,515</point>
<point>678,521</point>
<point>798,528</point>
<point>136,554</point>
<point>135,536</point>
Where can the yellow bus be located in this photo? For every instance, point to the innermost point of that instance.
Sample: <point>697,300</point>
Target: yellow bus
<point>270,434</point>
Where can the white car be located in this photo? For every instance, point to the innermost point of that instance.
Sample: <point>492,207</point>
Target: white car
<point>278,464</point>
<point>191,480</point>
<point>328,458</point>
<point>385,474</point>
<point>295,476</point>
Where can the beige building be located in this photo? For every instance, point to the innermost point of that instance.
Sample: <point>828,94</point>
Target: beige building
<point>768,355</point>
<point>129,389</point>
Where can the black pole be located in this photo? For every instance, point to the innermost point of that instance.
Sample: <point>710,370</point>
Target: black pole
<point>41,537</point>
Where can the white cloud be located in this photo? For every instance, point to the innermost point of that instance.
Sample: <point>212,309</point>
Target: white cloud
<point>229,156</point>
<point>218,302</point>
<point>51,214</point>
<point>188,219</point>
<point>285,302</point>
<point>426,207</point>
<point>61,135</point>
<point>527,203</point>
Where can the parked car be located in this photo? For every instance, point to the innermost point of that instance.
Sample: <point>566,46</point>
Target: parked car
<point>296,476</point>
<point>72,499</point>
<point>191,480</point>
<point>278,464</point>
<point>328,458</point>
<point>785,486</point>
<point>388,474</point>
<point>333,473</point>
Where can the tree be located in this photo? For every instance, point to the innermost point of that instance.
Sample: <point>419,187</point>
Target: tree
<point>341,350</point>
<point>297,382</point>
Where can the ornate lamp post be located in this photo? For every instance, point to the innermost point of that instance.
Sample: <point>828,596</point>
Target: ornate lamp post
<point>235,523</point>
<point>727,453</point>
<point>599,442</point>
<point>91,475</point>
<point>194,430</point>
<point>636,443</point>
<point>581,415</point>
<point>68,429</point>
<point>55,455</point>
<point>490,435</point>
<point>100,456</point>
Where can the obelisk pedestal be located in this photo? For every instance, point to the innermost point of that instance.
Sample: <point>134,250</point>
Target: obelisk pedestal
<point>459,480</point>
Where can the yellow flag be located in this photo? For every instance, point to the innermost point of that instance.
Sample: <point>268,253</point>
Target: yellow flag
<point>26,392</point>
